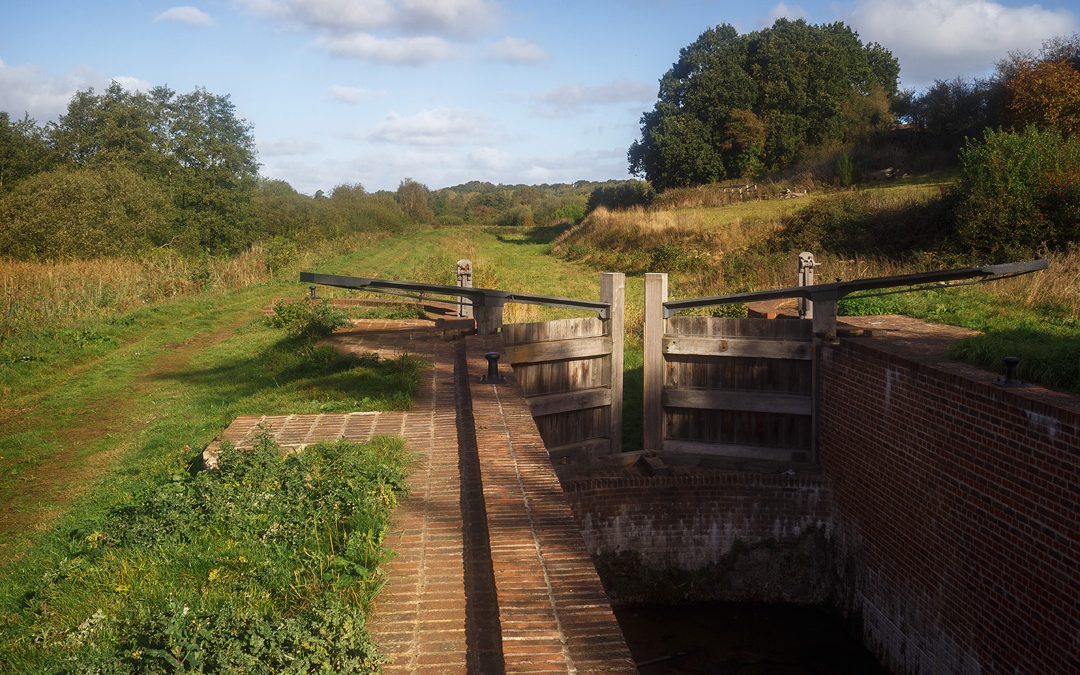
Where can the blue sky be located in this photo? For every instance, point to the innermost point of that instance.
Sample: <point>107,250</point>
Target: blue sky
<point>445,91</point>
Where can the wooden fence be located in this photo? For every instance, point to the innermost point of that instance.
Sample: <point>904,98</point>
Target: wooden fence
<point>571,371</point>
<point>740,388</point>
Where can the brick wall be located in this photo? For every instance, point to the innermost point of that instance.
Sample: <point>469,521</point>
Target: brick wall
<point>723,535</point>
<point>956,515</point>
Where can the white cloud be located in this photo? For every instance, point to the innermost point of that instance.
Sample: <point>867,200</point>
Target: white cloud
<point>402,51</point>
<point>441,126</point>
<point>941,39</point>
<point>575,98</point>
<point>354,95</point>
<point>132,84</point>
<point>192,16</point>
<point>517,51</point>
<point>490,159</point>
<point>30,89</point>
<point>782,10</point>
<point>286,147</point>
<point>414,17</point>
<point>449,17</point>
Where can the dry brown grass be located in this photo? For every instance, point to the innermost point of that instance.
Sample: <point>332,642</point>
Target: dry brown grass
<point>34,294</point>
<point>711,250</point>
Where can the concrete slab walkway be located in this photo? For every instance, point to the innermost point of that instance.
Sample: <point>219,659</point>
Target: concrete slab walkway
<point>490,573</point>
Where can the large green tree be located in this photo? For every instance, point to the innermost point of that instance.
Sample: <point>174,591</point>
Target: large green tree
<point>193,145</point>
<point>23,150</point>
<point>734,104</point>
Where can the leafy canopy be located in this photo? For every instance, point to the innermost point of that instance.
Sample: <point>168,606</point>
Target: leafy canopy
<point>733,105</point>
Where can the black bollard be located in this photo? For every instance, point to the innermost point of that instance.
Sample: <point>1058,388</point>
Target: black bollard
<point>1010,379</point>
<point>493,376</point>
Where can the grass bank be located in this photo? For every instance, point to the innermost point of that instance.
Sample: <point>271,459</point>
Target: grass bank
<point>267,564</point>
<point>873,231</point>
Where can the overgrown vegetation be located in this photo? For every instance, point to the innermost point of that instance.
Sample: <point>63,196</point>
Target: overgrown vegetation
<point>266,564</point>
<point>308,319</point>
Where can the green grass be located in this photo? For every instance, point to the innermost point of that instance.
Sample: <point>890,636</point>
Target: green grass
<point>1046,339</point>
<point>105,419</point>
<point>266,564</point>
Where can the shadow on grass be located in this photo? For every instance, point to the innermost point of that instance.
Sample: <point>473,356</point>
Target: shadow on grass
<point>292,376</point>
<point>1046,358</point>
<point>541,234</point>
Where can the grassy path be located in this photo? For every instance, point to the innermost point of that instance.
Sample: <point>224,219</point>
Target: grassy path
<point>85,417</point>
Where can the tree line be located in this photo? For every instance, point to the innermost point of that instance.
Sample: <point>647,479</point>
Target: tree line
<point>124,172</point>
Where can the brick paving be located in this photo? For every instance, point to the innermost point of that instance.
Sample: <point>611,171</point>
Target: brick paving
<point>486,578</point>
<point>553,612</point>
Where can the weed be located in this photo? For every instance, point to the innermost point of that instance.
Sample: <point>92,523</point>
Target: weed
<point>266,564</point>
<point>306,318</point>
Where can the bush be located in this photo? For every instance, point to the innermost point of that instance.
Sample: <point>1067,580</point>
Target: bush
<point>1019,192</point>
<point>624,195</point>
<point>307,319</point>
<point>82,213</point>
<point>867,223</point>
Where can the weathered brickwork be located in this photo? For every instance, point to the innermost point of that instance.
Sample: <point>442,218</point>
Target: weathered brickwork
<point>957,514</point>
<point>553,613</point>
<point>708,535</point>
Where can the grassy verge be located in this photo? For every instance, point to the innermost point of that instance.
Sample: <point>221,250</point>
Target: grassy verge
<point>752,245</point>
<point>1045,337</point>
<point>265,565</point>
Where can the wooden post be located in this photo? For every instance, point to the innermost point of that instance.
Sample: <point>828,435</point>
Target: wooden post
<point>825,319</point>
<point>489,316</point>
<point>464,280</point>
<point>824,328</point>
<point>656,293</point>
<point>613,292</point>
<point>806,278</point>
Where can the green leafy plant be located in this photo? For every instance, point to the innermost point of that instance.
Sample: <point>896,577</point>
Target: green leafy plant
<point>267,564</point>
<point>307,319</point>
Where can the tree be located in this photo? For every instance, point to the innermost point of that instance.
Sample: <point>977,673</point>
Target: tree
<point>1046,94</point>
<point>193,145</point>
<point>23,151</point>
<point>733,104</point>
<point>82,213</point>
<point>413,198</point>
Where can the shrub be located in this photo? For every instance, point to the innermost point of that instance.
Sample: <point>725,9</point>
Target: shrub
<point>1018,192</point>
<point>868,223</point>
<point>82,213</point>
<point>307,319</point>
<point>623,195</point>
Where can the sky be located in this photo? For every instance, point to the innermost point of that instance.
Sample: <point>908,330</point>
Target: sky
<point>447,91</point>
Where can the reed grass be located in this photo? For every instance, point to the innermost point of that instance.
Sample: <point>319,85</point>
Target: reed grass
<point>61,293</point>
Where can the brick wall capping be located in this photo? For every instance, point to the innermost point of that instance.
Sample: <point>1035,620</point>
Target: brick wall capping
<point>923,347</point>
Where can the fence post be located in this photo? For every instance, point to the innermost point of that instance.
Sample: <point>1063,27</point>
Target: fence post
<point>806,278</point>
<point>656,293</point>
<point>489,316</point>
<point>464,280</point>
<point>613,292</point>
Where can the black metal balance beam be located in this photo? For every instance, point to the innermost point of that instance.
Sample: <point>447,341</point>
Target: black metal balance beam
<point>481,297</point>
<point>840,289</point>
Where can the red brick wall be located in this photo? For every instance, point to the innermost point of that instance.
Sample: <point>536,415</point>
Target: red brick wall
<point>724,535</point>
<point>956,516</point>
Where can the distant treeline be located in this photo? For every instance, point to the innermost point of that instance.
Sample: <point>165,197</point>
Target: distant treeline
<point>123,172</point>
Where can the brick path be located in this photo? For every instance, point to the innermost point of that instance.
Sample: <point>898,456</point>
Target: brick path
<point>487,578</point>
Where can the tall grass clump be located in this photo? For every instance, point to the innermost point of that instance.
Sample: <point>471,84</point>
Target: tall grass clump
<point>64,292</point>
<point>266,564</point>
